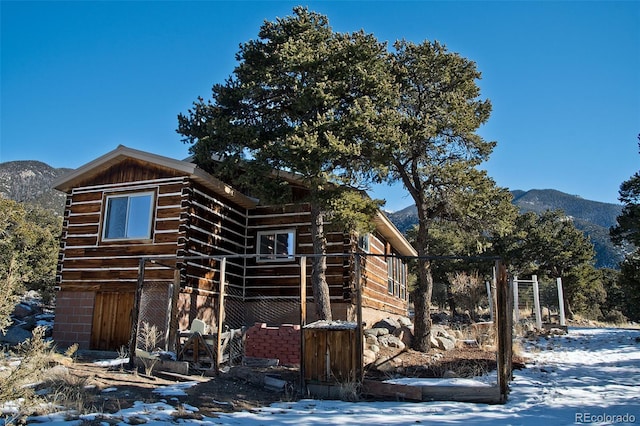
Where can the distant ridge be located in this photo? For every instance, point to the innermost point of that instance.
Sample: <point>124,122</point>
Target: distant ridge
<point>594,218</point>
<point>30,182</point>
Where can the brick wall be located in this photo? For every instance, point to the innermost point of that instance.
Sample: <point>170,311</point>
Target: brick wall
<point>281,342</point>
<point>73,320</point>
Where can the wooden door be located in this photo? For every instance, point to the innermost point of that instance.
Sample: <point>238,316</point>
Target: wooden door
<point>111,320</point>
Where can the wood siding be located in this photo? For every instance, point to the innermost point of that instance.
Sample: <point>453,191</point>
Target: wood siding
<point>213,227</point>
<point>87,261</point>
<point>375,278</point>
<point>281,278</point>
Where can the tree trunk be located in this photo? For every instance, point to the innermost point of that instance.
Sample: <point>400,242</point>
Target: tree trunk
<point>422,303</point>
<point>424,287</point>
<point>318,274</point>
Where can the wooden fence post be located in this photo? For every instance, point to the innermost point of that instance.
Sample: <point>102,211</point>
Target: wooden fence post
<point>516,309</point>
<point>359,331</point>
<point>303,318</point>
<point>505,331</point>
<point>223,282</point>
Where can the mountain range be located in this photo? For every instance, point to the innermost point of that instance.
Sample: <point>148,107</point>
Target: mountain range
<point>30,182</point>
<point>594,218</point>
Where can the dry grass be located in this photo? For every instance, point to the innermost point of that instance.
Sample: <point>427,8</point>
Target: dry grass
<point>351,391</point>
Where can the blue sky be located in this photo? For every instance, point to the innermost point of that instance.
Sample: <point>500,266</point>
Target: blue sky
<point>78,78</point>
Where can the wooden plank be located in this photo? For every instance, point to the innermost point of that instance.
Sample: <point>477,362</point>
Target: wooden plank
<point>476,394</point>
<point>391,391</point>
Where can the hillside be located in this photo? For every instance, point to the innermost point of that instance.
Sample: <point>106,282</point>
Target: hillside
<point>30,182</point>
<point>594,218</point>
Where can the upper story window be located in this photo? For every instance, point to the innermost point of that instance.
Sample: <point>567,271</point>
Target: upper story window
<point>363,243</point>
<point>128,217</point>
<point>276,245</point>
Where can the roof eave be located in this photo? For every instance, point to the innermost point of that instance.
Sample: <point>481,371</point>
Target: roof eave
<point>393,235</point>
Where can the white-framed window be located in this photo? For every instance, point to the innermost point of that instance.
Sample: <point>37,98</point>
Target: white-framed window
<point>397,277</point>
<point>128,216</point>
<point>363,242</point>
<point>276,245</point>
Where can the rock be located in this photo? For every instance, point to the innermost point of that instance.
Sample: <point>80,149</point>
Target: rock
<point>370,332</point>
<point>388,323</point>
<point>394,342</point>
<point>15,335</point>
<point>438,330</point>
<point>374,348</point>
<point>405,322</point>
<point>450,374</point>
<point>384,340</point>
<point>405,335</point>
<point>433,341</point>
<point>370,339</point>
<point>368,357</point>
<point>445,343</point>
<point>23,310</point>
<point>379,331</point>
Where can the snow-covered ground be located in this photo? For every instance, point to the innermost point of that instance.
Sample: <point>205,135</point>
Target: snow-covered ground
<point>589,376</point>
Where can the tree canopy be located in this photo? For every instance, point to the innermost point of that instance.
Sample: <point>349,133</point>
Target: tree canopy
<point>435,151</point>
<point>627,231</point>
<point>28,252</point>
<point>304,101</point>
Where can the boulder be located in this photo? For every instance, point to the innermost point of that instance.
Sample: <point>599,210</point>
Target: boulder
<point>405,322</point>
<point>394,342</point>
<point>370,339</point>
<point>378,331</point>
<point>450,374</point>
<point>388,323</point>
<point>433,341</point>
<point>384,340</point>
<point>405,335</point>
<point>368,357</point>
<point>15,335</point>
<point>445,343</point>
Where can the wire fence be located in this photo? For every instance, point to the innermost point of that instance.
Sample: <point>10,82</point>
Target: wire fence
<point>539,302</point>
<point>233,312</point>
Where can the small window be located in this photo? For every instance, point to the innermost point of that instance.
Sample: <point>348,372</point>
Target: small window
<point>128,217</point>
<point>363,243</point>
<point>276,245</point>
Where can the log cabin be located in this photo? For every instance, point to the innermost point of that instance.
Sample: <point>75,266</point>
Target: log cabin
<point>129,205</point>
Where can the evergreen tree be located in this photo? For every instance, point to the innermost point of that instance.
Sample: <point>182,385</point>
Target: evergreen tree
<point>28,253</point>
<point>627,232</point>
<point>550,245</point>
<point>305,104</point>
<point>435,152</point>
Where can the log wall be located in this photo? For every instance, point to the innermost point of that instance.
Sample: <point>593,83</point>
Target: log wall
<point>281,279</point>
<point>376,292</point>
